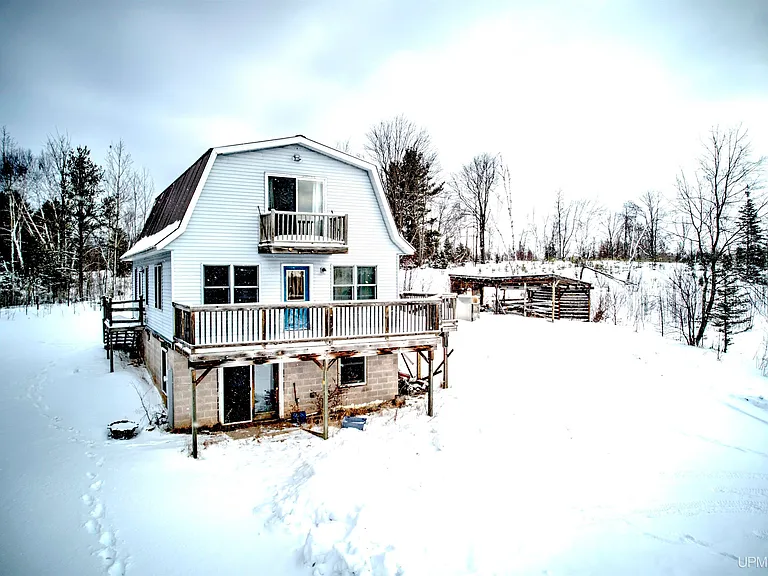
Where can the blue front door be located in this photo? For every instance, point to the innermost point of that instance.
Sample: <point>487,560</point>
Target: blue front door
<point>296,289</point>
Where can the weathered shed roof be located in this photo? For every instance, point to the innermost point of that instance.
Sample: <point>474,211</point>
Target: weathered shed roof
<point>172,203</point>
<point>517,280</point>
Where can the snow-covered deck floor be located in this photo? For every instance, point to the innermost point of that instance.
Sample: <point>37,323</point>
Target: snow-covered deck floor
<point>613,453</point>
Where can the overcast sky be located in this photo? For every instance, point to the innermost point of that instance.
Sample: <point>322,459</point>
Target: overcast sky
<point>600,98</point>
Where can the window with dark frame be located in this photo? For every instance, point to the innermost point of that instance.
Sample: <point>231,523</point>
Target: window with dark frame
<point>230,284</point>
<point>366,282</point>
<point>159,286</point>
<point>215,284</point>
<point>294,194</point>
<point>164,369</point>
<point>352,371</point>
<point>354,283</point>
<point>246,287</point>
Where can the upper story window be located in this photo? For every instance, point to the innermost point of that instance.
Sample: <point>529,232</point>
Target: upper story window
<point>230,284</point>
<point>289,194</point>
<point>354,283</point>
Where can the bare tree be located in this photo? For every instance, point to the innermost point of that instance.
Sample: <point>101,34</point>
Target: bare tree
<point>117,179</point>
<point>142,190</point>
<point>708,204</point>
<point>386,145</point>
<point>506,185</point>
<point>55,163</point>
<point>653,214</point>
<point>475,187</point>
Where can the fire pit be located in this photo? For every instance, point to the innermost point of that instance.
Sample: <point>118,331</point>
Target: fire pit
<point>122,429</point>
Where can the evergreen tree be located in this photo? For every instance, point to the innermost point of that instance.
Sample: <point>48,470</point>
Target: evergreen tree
<point>85,185</point>
<point>750,251</point>
<point>730,314</point>
<point>412,192</point>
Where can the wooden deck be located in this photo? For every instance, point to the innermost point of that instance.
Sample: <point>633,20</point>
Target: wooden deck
<point>122,322</point>
<point>264,333</point>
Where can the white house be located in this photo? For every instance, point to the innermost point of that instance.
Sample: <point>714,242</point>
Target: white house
<point>266,265</point>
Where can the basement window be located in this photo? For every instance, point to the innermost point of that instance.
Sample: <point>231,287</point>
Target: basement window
<point>352,371</point>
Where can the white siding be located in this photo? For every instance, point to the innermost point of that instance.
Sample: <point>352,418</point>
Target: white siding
<point>161,321</point>
<point>224,228</point>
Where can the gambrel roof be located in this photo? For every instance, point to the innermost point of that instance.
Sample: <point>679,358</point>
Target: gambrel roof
<point>174,206</point>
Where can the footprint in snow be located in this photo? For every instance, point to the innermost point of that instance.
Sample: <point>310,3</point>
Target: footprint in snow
<point>117,569</point>
<point>90,455</point>
<point>92,526</point>
<point>98,510</point>
<point>87,498</point>
<point>90,475</point>
<point>107,539</point>
<point>107,554</point>
<point>96,486</point>
<point>100,462</point>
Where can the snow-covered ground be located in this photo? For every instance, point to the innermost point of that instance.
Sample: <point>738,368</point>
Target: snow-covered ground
<point>566,448</point>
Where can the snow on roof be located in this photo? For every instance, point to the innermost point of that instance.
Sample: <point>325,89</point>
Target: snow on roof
<point>149,242</point>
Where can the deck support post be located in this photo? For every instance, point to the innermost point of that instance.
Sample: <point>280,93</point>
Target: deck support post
<point>193,413</point>
<point>325,399</point>
<point>445,359</point>
<point>111,351</point>
<point>431,387</point>
<point>418,366</point>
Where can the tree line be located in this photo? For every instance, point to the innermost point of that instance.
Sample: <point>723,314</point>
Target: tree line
<point>65,219</point>
<point>712,221</point>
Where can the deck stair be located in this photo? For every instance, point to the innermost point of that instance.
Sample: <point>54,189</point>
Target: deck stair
<point>123,321</point>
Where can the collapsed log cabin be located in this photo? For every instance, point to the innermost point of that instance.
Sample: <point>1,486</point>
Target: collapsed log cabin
<point>543,295</point>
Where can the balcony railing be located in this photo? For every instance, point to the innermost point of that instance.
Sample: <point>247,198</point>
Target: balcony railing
<point>289,231</point>
<point>241,325</point>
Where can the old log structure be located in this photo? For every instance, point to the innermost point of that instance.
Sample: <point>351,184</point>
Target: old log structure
<point>542,295</point>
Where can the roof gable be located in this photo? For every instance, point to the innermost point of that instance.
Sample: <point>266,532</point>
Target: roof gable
<point>177,202</point>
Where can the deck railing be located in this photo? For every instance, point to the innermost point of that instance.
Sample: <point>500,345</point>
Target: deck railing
<point>447,307</point>
<point>303,228</point>
<point>230,325</point>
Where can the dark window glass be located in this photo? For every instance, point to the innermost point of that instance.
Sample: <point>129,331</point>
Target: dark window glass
<point>342,275</point>
<point>366,275</point>
<point>216,275</point>
<point>366,292</point>
<point>352,371</point>
<point>159,286</point>
<point>342,292</point>
<point>244,295</point>
<point>282,194</point>
<point>216,296</point>
<point>246,275</point>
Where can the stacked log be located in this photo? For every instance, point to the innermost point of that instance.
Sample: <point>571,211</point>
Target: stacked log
<point>573,303</point>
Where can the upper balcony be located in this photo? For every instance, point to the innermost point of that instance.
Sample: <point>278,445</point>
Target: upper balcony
<point>303,232</point>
